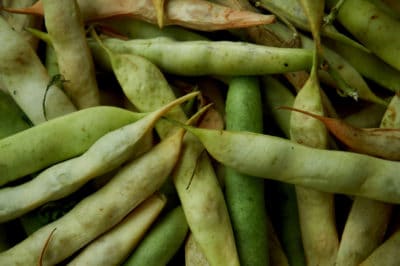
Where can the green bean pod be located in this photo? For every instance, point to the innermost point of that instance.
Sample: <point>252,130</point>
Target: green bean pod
<point>162,241</point>
<point>245,194</point>
<point>330,171</point>
<point>207,216</point>
<point>211,57</point>
<point>368,219</point>
<point>106,154</point>
<point>113,247</point>
<point>275,94</point>
<point>59,139</point>
<point>372,27</point>
<point>100,211</point>
<point>369,65</point>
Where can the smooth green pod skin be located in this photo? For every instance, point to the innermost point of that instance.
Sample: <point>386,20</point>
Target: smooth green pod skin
<point>369,65</point>
<point>162,241</point>
<point>12,119</point>
<point>59,139</point>
<point>326,170</point>
<point>100,211</point>
<point>106,154</point>
<point>372,27</point>
<point>211,57</point>
<point>316,208</point>
<point>245,194</point>
<point>113,247</point>
<point>26,79</point>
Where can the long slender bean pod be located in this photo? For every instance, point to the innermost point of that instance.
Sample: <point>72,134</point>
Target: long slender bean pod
<point>369,65</point>
<point>204,204</point>
<point>27,80</point>
<point>217,58</point>
<point>316,208</point>
<point>245,194</point>
<point>66,30</point>
<point>100,211</point>
<point>162,242</point>
<point>194,176</point>
<point>39,147</point>
<point>368,219</point>
<point>274,95</point>
<point>108,153</point>
<point>372,27</point>
<point>195,14</point>
<point>325,170</point>
<point>113,247</point>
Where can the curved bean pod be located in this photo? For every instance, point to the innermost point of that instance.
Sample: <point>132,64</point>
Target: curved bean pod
<point>113,247</point>
<point>325,170</point>
<point>106,154</point>
<point>217,58</point>
<point>372,27</point>
<point>147,92</point>
<point>58,139</point>
<point>100,211</point>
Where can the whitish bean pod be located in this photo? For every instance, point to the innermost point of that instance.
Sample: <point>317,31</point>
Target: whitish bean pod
<point>66,31</point>
<point>100,211</point>
<point>27,80</point>
<point>113,247</point>
<point>326,170</point>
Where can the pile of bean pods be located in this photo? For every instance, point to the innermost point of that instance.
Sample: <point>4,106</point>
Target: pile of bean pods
<point>195,132</point>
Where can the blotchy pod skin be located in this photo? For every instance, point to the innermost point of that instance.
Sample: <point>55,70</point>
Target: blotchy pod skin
<point>325,170</point>
<point>372,27</point>
<point>26,79</point>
